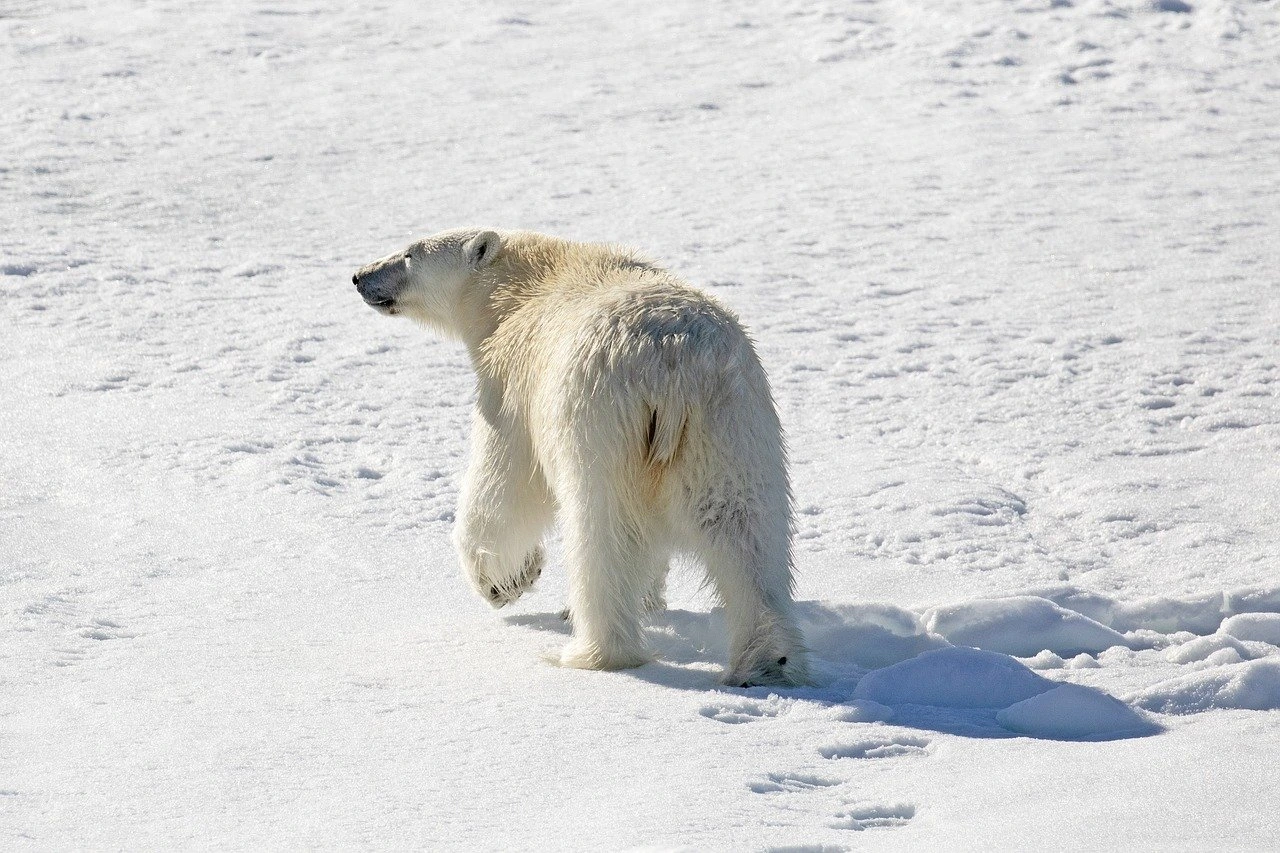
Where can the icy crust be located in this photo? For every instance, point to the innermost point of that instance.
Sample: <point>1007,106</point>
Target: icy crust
<point>1056,624</point>
<point>1068,621</point>
<point>1217,648</point>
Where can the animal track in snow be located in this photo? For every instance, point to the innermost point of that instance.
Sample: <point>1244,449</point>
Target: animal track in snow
<point>862,818</point>
<point>740,712</point>
<point>779,783</point>
<point>877,748</point>
<point>106,629</point>
<point>68,656</point>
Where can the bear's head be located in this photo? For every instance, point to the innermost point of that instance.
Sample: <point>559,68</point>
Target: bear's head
<point>427,280</point>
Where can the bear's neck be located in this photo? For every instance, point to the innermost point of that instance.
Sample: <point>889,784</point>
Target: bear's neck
<point>527,265</point>
<point>499,290</point>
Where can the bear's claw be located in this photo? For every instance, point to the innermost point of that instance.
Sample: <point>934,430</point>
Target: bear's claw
<point>502,594</point>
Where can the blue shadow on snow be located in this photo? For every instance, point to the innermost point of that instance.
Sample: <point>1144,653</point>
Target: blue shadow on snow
<point>877,662</point>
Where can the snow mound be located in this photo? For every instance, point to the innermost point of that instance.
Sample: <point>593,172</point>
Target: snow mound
<point>1251,685</point>
<point>1258,599</point>
<point>1025,703</point>
<point>1074,712</point>
<point>869,635</point>
<point>1023,625</point>
<point>1197,614</point>
<point>1046,660</point>
<point>953,678</point>
<point>1257,627</point>
<point>1213,646</point>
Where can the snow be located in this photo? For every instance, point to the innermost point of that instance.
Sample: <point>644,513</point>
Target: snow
<point>1010,268</point>
<point>956,678</point>
<point>1202,648</point>
<point>1047,660</point>
<point>866,635</point>
<point>1021,625</point>
<point>960,679</point>
<point>1074,712</point>
<point>1259,627</point>
<point>1254,685</point>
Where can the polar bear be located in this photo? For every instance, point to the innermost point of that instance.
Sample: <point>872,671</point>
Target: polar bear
<point>632,405</point>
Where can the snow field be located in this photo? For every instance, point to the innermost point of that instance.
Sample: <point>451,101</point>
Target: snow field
<point>1009,265</point>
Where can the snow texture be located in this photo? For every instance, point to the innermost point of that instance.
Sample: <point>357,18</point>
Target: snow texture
<point>1259,627</point>
<point>1073,712</point>
<point>1011,267</point>
<point>955,678</point>
<point>1204,648</point>
<point>866,635</point>
<point>1254,685</point>
<point>958,678</point>
<point>1026,703</point>
<point>1021,625</point>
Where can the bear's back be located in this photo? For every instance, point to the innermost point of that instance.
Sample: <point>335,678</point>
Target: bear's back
<point>603,322</point>
<point>632,311</point>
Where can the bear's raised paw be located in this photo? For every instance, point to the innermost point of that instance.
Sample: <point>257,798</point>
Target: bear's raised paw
<point>502,593</point>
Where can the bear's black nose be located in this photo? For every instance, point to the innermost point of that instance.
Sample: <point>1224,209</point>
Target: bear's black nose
<point>355,279</point>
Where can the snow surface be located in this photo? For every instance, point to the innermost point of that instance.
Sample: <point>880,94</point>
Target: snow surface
<point>1021,625</point>
<point>1219,646</point>
<point>1259,627</point>
<point>1254,685</point>
<point>955,678</point>
<point>1010,264</point>
<point>1074,712</point>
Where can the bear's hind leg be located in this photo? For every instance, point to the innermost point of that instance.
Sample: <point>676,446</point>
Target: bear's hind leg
<point>765,646</point>
<point>655,600</point>
<point>610,573</point>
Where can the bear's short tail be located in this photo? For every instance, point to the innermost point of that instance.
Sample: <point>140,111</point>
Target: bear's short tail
<point>666,428</point>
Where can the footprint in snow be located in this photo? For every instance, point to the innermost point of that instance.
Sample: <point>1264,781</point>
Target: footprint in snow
<point>854,817</point>
<point>860,818</point>
<point>877,748</point>
<point>780,783</point>
<point>106,629</point>
<point>734,713</point>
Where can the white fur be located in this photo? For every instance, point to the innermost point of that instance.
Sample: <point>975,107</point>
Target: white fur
<point>632,405</point>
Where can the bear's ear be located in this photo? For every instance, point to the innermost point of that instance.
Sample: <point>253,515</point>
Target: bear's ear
<point>481,249</point>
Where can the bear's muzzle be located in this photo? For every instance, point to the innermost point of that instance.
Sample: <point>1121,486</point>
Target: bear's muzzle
<point>380,283</point>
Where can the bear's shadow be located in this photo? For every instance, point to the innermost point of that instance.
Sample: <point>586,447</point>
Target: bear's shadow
<point>845,641</point>
<point>686,647</point>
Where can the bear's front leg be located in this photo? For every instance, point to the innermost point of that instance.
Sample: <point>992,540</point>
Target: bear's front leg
<point>504,510</point>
